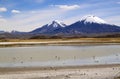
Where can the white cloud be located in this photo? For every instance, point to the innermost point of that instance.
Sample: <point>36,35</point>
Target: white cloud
<point>68,7</point>
<point>15,11</point>
<point>3,9</point>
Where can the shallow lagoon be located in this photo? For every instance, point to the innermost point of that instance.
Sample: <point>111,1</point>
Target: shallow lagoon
<point>59,55</point>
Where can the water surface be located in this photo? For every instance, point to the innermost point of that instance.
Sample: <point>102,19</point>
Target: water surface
<point>39,55</point>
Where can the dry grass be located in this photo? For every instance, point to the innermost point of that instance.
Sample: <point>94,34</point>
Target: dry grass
<point>116,40</point>
<point>65,41</point>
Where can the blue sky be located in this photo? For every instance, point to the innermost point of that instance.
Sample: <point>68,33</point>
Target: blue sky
<point>26,15</point>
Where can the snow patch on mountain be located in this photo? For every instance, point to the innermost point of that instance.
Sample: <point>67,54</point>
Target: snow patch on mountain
<point>56,23</point>
<point>92,19</point>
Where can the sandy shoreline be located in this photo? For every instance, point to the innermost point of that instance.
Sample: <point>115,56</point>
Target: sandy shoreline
<point>109,71</point>
<point>62,43</point>
<point>12,69</point>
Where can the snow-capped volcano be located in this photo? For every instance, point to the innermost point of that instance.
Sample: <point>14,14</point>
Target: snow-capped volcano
<point>91,25</point>
<point>57,23</point>
<point>49,28</point>
<point>92,19</point>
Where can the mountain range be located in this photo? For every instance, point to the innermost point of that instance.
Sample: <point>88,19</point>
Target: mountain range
<point>88,26</point>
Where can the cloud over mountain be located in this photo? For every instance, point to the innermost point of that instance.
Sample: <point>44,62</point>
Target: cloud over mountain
<point>68,7</point>
<point>3,9</point>
<point>15,11</point>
